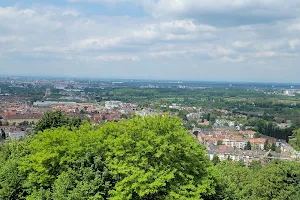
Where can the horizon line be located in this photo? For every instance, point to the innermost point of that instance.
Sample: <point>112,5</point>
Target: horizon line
<point>145,79</point>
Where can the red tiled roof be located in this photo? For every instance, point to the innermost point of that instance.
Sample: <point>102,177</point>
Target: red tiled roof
<point>224,148</point>
<point>257,140</point>
<point>23,116</point>
<point>248,132</point>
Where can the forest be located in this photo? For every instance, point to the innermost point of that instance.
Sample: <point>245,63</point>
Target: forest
<point>141,158</point>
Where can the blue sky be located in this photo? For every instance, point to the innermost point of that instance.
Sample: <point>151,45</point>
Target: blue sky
<point>218,40</point>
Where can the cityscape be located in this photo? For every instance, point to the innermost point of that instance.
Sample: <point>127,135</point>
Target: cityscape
<point>149,100</point>
<point>226,133</point>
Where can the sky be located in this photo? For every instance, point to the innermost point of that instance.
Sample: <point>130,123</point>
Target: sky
<point>202,40</point>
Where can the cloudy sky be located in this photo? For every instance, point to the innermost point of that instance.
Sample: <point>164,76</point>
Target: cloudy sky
<point>217,40</point>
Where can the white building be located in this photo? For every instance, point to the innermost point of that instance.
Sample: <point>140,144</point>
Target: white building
<point>17,135</point>
<point>112,104</point>
<point>240,144</point>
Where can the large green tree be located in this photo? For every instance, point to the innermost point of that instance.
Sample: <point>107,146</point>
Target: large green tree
<point>142,158</point>
<point>55,119</point>
<point>279,180</point>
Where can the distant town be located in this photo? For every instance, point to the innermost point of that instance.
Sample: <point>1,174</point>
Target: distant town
<point>228,118</point>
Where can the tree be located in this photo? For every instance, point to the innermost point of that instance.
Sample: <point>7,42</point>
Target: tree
<point>266,145</point>
<point>208,117</point>
<point>196,133</point>
<point>296,133</point>
<point>182,114</point>
<point>141,158</point>
<point>24,123</point>
<point>56,119</point>
<point>219,143</point>
<point>3,134</point>
<point>216,159</point>
<point>277,180</point>
<point>248,146</point>
<point>256,135</point>
<point>255,165</point>
<point>188,126</point>
<point>233,178</point>
<point>124,116</point>
<point>6,123</point>
<point>273,147</point>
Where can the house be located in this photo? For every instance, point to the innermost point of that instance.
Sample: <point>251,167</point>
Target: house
<point>17,135</point>
<point>248,133</point>
<point>112,104</point>
<point>257,143</point>
<point>235,142</point>
<point>18,118</point>
<point>12,132</point>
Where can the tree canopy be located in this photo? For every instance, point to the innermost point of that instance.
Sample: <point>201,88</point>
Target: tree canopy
<point>148,158</point>
<point>55,119</point>
<point>279,180</point>
<point>142,158</point>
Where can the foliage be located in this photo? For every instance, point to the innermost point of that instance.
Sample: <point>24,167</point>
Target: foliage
<point>24,123</point>
<point>296,133</point>
<point>182,114</point>
<point>195,133</point>
<point>256,135</point>
<point>188,126</point>
<point>56,119</point>
<point>142,158</point>
<point>279,180</point>
<point>255,165</point>
<point>273,147</point>
<point>266,145</point>
<point>216,159</point>
<point>248,146</point>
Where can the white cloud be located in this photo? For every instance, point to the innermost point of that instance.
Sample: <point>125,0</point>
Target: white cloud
<point>294,27</point>
<point>263,8</point>
<point>12,12</point>
<point>50,49</point>
<point>266,54</point>
<point>108,58</point>
<point>240,44</point>
<point>181,39</point>
<point>219,11</point>
<point>294,43</point>
<point>117,58</point>
<point>108,2</point>
<point>70,12</point>
<point>224,51</point>
<point>234,60</point>
<point>98,43</point>
<point>5,39</point>
<point>168,53</point>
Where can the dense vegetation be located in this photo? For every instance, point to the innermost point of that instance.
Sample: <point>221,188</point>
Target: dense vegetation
<point>296,141</point>
<point>271,128</point>
<point>278,180</point>
<point>268,106</point>
<point>151,158</point>
<point>55,119</point>
<point>142,158</point>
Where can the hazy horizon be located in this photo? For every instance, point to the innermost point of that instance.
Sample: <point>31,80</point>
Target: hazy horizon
<point>147,80</point>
